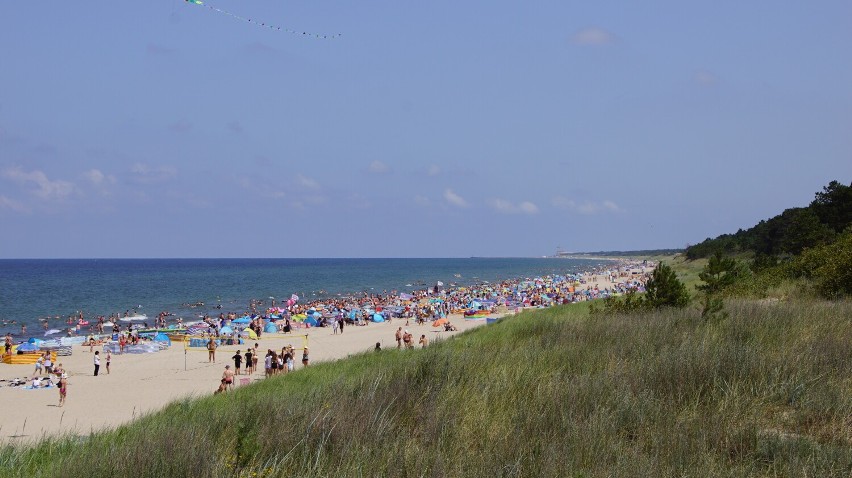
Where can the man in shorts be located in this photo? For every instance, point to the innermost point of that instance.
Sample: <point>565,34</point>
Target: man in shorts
<point>211,350</point>
<point>228,377</point>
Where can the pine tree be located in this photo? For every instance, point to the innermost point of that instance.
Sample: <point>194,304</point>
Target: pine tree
<point>719,273</point>
<point>664,289</point>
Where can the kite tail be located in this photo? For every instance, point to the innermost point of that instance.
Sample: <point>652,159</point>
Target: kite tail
<point>263,24</point>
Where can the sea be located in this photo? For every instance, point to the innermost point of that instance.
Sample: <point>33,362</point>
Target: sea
<point>35,289</point>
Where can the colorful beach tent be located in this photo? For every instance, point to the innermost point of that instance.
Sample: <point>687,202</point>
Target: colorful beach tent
<point>249,333</point>
<point>270,328</point>
<point>311,321</point>
<point>242,320</point>
<point>226,330</point>
<point>27,347</point>
<point>439,322</point>
<point>161,337</point>
<point>377,317</point>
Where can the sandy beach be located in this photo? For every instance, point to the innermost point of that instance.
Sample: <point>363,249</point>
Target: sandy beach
<point>144,383</point>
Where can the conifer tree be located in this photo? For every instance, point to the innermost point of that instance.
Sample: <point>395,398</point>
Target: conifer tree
<point>664,289</point>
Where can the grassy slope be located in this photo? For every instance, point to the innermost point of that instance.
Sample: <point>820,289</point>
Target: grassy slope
<point>766,392</point>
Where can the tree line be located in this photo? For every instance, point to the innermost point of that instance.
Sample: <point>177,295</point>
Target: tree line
<point>789,233</point>
<point>811,246</point>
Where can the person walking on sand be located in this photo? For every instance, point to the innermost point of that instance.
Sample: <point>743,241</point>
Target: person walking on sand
<point>108,360</point>
<point>63,388</point>
<point>267,364</point>
<point>39,364</point>
<point>254,358</point>
<point>48,364</point>
<point>97,362</point>
<point>228,377</point>
<point>211,350</point>
<point>424,341</point>
<point>238,362</point>
<point>249,363</point>
<point>305,360</point>
<point>398,338</point>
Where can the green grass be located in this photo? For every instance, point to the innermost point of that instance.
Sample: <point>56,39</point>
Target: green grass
<point>765,392</point>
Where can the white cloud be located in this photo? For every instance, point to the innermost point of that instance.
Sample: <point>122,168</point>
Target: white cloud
<point>507,207</point>
<point>610,206</point>
<point>527,207</point>
<point>585,207</point>
<point>454,198</point>
<point>379,167</point>
<point>145,174</point>
<point>45,188</point>
<point>11,204</point>
<point>307,182</point>
<point>96,177</point>
<point>592,36</point>
<point>434,170</point>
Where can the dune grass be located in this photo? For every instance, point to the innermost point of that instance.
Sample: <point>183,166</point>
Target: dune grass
<point>765,392</point>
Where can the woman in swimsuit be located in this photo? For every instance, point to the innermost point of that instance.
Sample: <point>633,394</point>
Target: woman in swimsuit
<point>63,388</point>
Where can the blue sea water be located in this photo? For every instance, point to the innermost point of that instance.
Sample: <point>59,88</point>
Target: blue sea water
<point>31,289</point>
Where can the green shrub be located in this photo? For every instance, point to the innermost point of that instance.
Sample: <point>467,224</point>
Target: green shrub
<point>829,267</point>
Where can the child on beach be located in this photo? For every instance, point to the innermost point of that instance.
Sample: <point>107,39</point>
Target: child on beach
<point>108,360</point>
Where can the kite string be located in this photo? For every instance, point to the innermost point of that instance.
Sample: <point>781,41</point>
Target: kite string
<point>272,27</point>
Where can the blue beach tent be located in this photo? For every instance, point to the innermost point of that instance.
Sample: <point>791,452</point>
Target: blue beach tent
<point>27,347</point>
<point>161,337</point>
<point>377,317</point>
<point>270,328</point>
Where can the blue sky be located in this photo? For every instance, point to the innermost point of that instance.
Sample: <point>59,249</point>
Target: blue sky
<point>428,129</point>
